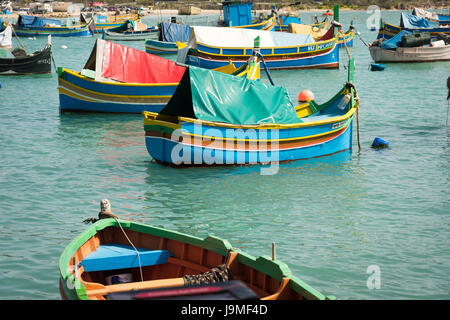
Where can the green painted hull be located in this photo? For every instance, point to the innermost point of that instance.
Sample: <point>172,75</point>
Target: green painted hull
<point>72,290</point>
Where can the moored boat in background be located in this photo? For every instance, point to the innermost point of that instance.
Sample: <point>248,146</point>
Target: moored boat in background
<point>120,79</point>
<point>130,31</point>
<point>19,62</point>
<point>28,26</point>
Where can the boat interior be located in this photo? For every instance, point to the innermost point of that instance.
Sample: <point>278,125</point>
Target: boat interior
<point>163,263</point>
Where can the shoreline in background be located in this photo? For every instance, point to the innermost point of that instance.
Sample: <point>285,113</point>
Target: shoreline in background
<point>163,12</point>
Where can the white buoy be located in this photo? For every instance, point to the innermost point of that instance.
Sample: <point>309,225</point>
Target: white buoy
<point>64,46</point>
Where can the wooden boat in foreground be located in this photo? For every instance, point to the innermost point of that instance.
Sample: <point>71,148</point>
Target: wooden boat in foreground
<point>246,123</point>
<point>143,82</point>
<point>103,263</point>
<point>18,62</point>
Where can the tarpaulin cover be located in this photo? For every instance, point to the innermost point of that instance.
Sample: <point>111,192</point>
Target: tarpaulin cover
<point>219,97</point>
<point>127,64</point>
<point>35,22</point>
<point>172,32</point>
<point>306,29</point>
<point>395,41</point>
<point>244,38</point>
<point>410,21</point>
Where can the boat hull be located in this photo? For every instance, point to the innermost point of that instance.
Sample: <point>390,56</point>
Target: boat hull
<point>160,47</point>
<point>130,36</point>
<point>389,30</point>
<point>82,31</point>
<point>324,54</point>
<point>81,94</point>
<point>415,54</point>
<point>38,63</point>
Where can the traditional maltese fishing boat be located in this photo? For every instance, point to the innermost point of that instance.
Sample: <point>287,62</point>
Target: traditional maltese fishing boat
<point>107,22</point>
<point>212,47</point>
<point>121,79</point>
<point>248,123</point>
<point>27,26</point>
<point>130,31</point>
<point>121,259</point>
<point>168,36</point>
<point>412,23</point>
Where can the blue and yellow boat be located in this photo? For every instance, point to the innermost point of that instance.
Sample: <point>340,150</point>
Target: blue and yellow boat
<point>144,82</point>
<point>28,26</point>
<point>213,47</point>
<point>108,22</point>
<point>412,23</point>
<point>248,123</point>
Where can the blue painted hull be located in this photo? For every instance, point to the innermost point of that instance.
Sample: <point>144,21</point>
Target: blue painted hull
<point>161,149</point>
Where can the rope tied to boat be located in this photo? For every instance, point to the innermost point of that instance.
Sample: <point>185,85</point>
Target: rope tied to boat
<point>220,273</point>
<point>105,213</point>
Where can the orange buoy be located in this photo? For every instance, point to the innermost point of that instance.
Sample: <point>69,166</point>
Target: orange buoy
<point>305,96</point>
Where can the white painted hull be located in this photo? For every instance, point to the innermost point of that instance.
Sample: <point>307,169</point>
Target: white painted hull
<point>415,54</point>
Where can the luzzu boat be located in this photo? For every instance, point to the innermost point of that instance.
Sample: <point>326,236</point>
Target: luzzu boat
<point>114,21</point>
<point>121,259</point>
<point>248,123</point>
<point>168,36</point>
<point>130,31</point>
<point>143,82</point>
<point>212,47</point>
<point>267,24</point>
<point>28,26</point>
<point>412,23</point>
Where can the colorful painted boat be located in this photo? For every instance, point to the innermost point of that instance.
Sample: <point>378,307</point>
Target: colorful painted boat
<point>144,82</point>
<point>108,22</point>
<point>248,123</point>
<point>130,31</point>
<point>323,31</point>
<point>28,26</point>
<point>18,62</point>
<point>122,259</point>
<point>168,36</point>
<point>414,24</point>
<point>212,47</point>
<point>268,24</point>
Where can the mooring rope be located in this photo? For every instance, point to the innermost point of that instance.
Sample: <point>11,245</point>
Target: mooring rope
<point>106,213</point>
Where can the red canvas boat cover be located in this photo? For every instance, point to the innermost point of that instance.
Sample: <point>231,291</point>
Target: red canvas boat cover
<point>130,65</point>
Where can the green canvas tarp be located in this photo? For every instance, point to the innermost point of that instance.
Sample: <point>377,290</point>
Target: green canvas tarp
<point>213,96</point>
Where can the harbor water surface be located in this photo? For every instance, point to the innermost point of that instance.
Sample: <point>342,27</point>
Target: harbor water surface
<point>337,221</point>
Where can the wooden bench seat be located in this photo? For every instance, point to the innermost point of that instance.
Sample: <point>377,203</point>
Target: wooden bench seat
<point>113,256</point>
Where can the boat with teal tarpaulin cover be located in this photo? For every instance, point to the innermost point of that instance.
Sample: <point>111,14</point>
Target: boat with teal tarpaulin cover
<point>248,123</point>
<point>120,79</point>
<point>27,26</point>
<point>122,259</point>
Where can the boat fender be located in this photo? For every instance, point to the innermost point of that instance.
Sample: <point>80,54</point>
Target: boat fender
<point>305,96</point>
<point>63,47</point>
<point>379,143</point>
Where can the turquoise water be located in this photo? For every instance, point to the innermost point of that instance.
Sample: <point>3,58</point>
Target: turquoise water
<point>331,218</point>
